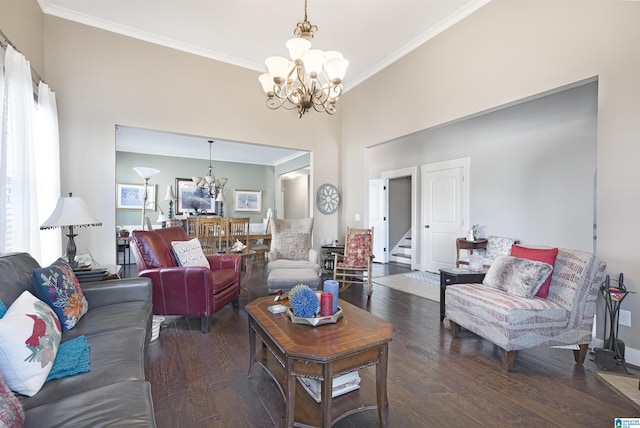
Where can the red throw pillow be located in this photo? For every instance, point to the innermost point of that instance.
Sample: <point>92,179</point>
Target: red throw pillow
<point>546,255</point>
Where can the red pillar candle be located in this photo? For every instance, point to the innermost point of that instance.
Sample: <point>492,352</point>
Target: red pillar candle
<point>326,304</point>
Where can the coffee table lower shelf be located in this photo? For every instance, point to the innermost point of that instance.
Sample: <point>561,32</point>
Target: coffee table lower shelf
<point>307,411</point>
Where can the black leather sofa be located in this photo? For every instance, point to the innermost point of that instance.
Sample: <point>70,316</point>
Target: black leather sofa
<point>118,328</point>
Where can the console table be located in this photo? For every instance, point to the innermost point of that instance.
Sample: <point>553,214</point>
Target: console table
<point>463,244</point>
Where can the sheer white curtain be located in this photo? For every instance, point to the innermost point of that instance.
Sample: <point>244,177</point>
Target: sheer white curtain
<point>47,161</point>
<point>20,173</point>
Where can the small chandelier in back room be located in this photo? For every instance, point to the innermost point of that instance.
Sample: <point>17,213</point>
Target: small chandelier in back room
<point>312,78</point>
<point>209,185</point>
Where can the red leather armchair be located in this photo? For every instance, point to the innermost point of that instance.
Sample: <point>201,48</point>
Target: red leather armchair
<point>178,290</point>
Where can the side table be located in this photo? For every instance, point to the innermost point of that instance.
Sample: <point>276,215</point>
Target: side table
<point>327,258</point>
<point>450,276</point>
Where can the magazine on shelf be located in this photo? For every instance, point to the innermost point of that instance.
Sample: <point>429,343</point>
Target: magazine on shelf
<point>341,385</point>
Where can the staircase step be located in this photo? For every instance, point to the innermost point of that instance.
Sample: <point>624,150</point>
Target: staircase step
<point>405,246</point>
<point>404,256</point>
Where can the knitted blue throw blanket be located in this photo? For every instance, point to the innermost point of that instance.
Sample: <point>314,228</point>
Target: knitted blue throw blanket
<point>72,358</point>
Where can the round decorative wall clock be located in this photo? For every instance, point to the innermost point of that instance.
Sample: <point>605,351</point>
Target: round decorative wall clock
<point>328,199</point>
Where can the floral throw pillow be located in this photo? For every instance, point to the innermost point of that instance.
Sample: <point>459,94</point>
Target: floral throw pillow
<point>357,252</point>
<point>498,246</point>
<point>58,287</point>
<point>30,334</point>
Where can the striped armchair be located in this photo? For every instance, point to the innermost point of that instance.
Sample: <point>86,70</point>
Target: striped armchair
<point>513,323</point>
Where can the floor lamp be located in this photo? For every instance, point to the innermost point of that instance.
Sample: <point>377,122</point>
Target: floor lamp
<point>146,174</point>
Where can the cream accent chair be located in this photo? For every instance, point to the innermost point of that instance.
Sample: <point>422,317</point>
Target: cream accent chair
<point>291,245</point>
<point>513,323</point>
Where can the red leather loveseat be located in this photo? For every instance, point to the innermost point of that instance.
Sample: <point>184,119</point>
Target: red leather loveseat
<point>177,290</point>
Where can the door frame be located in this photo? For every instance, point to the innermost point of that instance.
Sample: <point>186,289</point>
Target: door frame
<point>465,164</point>
<point>415,187</point>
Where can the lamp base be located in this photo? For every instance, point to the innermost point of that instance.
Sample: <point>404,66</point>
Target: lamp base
<point>71,249</point>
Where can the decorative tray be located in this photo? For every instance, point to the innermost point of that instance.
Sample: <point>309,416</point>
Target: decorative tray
<point>329,319</point>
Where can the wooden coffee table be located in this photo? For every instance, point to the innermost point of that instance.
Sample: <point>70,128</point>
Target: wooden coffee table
<point>356,341</point>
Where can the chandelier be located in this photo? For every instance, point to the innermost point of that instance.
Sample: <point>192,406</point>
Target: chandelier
<point>312,78</point>
<point>209,185</point>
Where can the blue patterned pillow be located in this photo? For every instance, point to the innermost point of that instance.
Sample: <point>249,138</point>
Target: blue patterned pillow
<point>58,287</point>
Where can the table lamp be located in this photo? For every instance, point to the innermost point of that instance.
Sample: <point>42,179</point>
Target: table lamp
<point>71,212</point>
<point>220,198</point>
<point>170,196</point>
<point>146,174</point>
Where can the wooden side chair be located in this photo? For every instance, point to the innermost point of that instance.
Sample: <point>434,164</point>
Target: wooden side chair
<point>354,266</point>
<point>261,247</point>
<point>212,233</point>
<point>238,230</point>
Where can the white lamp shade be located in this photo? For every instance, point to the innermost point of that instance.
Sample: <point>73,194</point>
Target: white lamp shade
<point>222,181</point>
<point>313,60</point>
<point>196,180</point>
<point>267,82</point>
<point>70,211</point>
<point>220,197</point>
<point>210,179</point>
<point>278,66</point>
<point>162,218</point>
<point>146,173</point>
<point>336,68</point>
<point>297,47</point>
<point>170,196</point>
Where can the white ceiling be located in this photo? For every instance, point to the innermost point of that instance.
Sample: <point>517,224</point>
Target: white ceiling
<point>147,141</point>
<point>370,33</point>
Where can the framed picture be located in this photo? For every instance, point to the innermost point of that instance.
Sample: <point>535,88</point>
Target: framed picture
<point>131,196</point>
<point>191,199</point>
<point>249,201</point>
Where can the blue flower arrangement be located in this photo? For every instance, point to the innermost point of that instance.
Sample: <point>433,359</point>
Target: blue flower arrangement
<point>304,303</point>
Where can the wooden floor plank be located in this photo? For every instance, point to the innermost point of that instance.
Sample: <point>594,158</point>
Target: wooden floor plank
<point>200,380</point>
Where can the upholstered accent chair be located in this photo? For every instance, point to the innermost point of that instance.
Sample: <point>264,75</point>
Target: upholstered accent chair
<point>513,323</point>
<point>197,291</point>
<point>354,266</point>
<point>291,245</point>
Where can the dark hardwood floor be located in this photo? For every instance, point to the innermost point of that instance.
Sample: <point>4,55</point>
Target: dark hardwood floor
<point>200,380</point>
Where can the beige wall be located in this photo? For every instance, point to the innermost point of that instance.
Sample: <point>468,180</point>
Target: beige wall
<point>22,21</point>
<point>505,52</point>
<point>103,79</point>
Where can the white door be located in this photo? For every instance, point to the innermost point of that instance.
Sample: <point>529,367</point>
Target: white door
<point>445,213</point>
<point>378,214</point>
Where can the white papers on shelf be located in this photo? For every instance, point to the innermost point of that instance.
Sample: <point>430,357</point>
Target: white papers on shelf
<point>341,385</point>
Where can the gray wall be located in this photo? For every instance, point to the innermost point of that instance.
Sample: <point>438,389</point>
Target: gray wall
<point>241,177</point>
<point>296,197</point>
<point>399,209</point>
<point>532,166</point>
